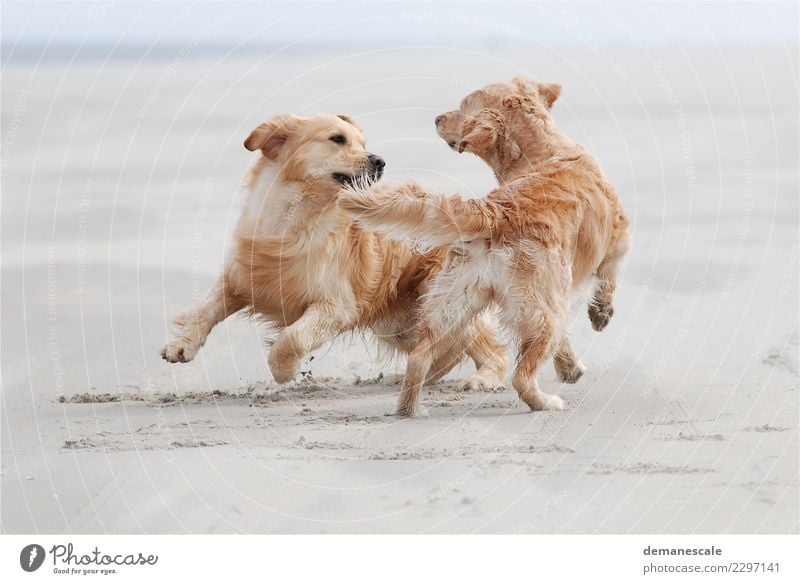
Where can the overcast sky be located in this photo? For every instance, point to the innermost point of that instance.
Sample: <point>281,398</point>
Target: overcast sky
<point>348,23</point>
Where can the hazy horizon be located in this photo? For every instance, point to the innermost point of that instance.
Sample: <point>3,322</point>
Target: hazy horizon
<point>50,31</point>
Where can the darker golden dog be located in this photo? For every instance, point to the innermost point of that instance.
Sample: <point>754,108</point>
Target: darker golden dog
<point>554,222</point>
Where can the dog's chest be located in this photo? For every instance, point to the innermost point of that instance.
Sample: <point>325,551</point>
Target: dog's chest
<point>270,208</point>
<point>323,272</point>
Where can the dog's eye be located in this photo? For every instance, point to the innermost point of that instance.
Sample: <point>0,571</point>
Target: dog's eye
<point>339,139</point>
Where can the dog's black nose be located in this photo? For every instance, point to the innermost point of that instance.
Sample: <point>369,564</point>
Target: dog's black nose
<point>376,161</point>
<point>438,119</point>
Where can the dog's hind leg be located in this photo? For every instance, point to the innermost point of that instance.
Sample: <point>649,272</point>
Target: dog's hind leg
<point>479,343</point>
<point>446,312</point>
<point>195,324</point>
<point>488,353</point>
<point>537,342</point>
<point>538,316</point>
<point>568,367</point>
<point>434,349</point>
<point>601,307</point>
<point>417,367</point>
<point>443,364</point>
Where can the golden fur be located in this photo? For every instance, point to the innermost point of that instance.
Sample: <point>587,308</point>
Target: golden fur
<point>554,222</point>
<point>301,263</point>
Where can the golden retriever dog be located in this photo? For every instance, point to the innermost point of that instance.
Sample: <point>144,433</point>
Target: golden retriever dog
<point>303,265</point>
<point>552,224</point>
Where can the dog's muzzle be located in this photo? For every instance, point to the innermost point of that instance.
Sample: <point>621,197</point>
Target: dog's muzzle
<point>372,173</point>
<point>376,166</point>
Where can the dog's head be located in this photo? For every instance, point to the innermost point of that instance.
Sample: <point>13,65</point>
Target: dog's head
<point>488,119</point>
<point>319,149</point>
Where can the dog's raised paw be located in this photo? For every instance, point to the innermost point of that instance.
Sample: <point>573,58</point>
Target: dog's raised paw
<point>600,315</point>
<point>179,351</point>
<point>570,373</point>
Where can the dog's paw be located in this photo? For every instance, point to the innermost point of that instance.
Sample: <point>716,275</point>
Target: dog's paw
<point>479,382</point>
<point>600,315</point>
<point>283,369</point>
<point>406,411</point>
<point>283,372</point>
<point>418,411</point>
<point>543,402</point>
<point>180,350</point>
<point>392,379</point>
<point>570,373</point>
<point>409,409</point>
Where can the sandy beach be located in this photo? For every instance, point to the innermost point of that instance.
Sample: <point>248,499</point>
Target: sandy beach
<point>120,183</point>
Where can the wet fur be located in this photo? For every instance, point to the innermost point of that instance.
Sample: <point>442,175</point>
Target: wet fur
<point>553,223</point>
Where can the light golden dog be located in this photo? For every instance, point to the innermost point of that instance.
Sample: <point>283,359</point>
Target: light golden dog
<point>554,222</point>
<point>301,263</point>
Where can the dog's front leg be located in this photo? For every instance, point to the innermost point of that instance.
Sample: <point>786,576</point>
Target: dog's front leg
<point>319,324</point>
<point>195,324</point>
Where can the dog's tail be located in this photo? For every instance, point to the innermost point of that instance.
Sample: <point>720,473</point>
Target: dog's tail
<point>409,212</point>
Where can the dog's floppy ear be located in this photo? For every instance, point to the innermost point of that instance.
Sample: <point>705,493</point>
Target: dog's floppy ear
<point>549,93</point>
<point>478,136</point>
<point>349,120</point>
<point>271,136</point>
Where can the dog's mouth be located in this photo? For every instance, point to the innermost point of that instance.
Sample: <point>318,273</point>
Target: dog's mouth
<point>345,179</point>
<point>369,177</point>
<point>452,144</point>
